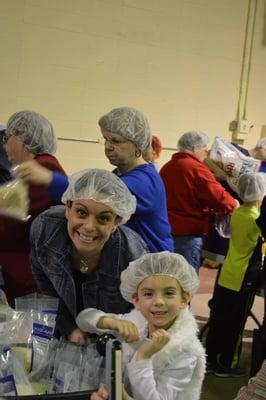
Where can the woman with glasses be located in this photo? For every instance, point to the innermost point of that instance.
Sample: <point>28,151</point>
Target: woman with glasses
<point>28,136</point>
<point>4,164</point>
<point>127,137</point>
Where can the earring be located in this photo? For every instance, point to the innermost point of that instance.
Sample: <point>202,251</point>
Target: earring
<point>137,153</point>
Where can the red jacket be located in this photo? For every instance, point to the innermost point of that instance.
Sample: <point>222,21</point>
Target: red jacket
<point>14,238</point>
<point>193,195</point>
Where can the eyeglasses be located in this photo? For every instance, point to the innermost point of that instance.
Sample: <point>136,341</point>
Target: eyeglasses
<point>113,142</point>
<point>5,137</point>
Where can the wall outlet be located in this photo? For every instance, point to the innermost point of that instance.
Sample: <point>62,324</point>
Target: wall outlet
<point>244,126</point>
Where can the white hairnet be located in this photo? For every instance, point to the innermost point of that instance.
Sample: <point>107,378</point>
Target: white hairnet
<point>252,186</point>
<point>192,141</point>
<point>104,187</point>
<point>129,123</point>
<point>34,131</point>
<point>261,144</point>
<point>164,263</point>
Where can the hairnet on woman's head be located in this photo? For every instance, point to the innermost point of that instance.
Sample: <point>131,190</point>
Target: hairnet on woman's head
<point>164,263</point>
<point>103,187</point>
<point>129,123</point>
<point>34,131</point>
<point>252,186</point>
<point>192,141</point>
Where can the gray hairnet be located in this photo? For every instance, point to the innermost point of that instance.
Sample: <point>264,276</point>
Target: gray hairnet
<point>129,123</point>
<point>34,131</point>
<point>261,144</point>
<point>164,263</point>
<point>252,186</point>
<point>104,187</point>
<point>192,141</point>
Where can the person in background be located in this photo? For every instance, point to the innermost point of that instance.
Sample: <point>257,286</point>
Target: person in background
<point>193,196</point>
<point>152,154</point>
<point>237,283</point>
<point>126,133</point>
<point>5,166</point>
<point>163,357</point>
<point>79,250</point>
<point>28,136</point>
<point>215,246</point>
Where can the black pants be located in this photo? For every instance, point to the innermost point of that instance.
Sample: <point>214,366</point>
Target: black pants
<point>229,312</point>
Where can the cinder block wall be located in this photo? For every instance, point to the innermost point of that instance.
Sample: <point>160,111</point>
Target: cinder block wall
<point>178,61</point>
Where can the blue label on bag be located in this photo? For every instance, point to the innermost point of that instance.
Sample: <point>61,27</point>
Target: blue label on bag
<point>42,331</point>
<point>8,386</point>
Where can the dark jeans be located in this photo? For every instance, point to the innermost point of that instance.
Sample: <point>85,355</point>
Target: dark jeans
<point>190,248</point>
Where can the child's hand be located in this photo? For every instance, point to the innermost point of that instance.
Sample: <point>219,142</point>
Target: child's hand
<point>126,329</point>
<point>101,394</point>
<point>78,336</point>
<point>158,340</point>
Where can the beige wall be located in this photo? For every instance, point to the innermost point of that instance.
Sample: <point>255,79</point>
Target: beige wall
<point>178,61</point>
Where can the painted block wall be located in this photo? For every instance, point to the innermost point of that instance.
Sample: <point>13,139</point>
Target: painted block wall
<point>179,61</point>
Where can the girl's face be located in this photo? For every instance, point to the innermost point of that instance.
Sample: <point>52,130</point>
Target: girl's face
<point>160,298</point>
<point>90,225</point>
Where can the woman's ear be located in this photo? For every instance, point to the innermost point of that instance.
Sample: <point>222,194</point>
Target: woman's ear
<point>67,208</point>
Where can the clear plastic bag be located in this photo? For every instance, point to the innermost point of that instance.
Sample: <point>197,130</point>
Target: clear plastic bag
<point>14,200</point>
<point>222,225</point>
<point>231,160</point>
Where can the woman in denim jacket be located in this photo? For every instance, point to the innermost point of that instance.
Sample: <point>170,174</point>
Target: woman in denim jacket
<point>79,251</point>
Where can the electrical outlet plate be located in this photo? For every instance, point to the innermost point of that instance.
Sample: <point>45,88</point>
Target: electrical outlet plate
<point>244,126</point>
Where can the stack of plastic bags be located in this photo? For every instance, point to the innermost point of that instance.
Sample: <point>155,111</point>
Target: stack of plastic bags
<point>32,362</point>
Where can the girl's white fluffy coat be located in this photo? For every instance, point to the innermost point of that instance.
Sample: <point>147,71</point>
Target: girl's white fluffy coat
<point>183,347</point>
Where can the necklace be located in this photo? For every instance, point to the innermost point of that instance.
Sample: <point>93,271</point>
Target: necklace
<point>84,266</point>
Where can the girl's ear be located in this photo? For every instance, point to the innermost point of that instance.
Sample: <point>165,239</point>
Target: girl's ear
<point>135,301</point>
<point>68,206</point>
<point>185,299</point>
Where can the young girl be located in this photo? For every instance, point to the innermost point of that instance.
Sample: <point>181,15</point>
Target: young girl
<point>237,283</point>
<point>163,356</point>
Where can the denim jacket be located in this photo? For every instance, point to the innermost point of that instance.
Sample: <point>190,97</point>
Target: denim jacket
<point>51,263</point>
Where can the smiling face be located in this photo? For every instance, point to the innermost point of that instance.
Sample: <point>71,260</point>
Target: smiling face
<point>89,225</point>
<point>119,151</point>
<point>160,298</point>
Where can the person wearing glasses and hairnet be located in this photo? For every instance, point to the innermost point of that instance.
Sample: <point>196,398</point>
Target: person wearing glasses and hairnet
<point>79,250</point>
<point>28,136</point>
<point>126,133</point>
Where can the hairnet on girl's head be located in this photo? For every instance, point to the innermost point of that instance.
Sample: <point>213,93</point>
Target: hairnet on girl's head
<point>34,131</point>
<point>252,186</point>
<point>164,263</point>
<point>261,144</point>
<point>192,141</point>
<point>103,187</point>
<point>129,123</point>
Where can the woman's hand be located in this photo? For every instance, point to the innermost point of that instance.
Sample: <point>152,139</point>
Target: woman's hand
<point>34,173</point>
<point>158,340</point>
<point>3,298</point>
<point>78,336</point>
<point>126,329</point>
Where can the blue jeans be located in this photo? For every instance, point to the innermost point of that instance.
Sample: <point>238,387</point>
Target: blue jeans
<point>190,248</point>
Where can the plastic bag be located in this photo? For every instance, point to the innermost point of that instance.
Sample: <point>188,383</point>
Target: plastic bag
<point>13,379</point>
<point>222,225</point>
<point>43,310</point>
<point>14,200</point>
<point>232,160</point>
